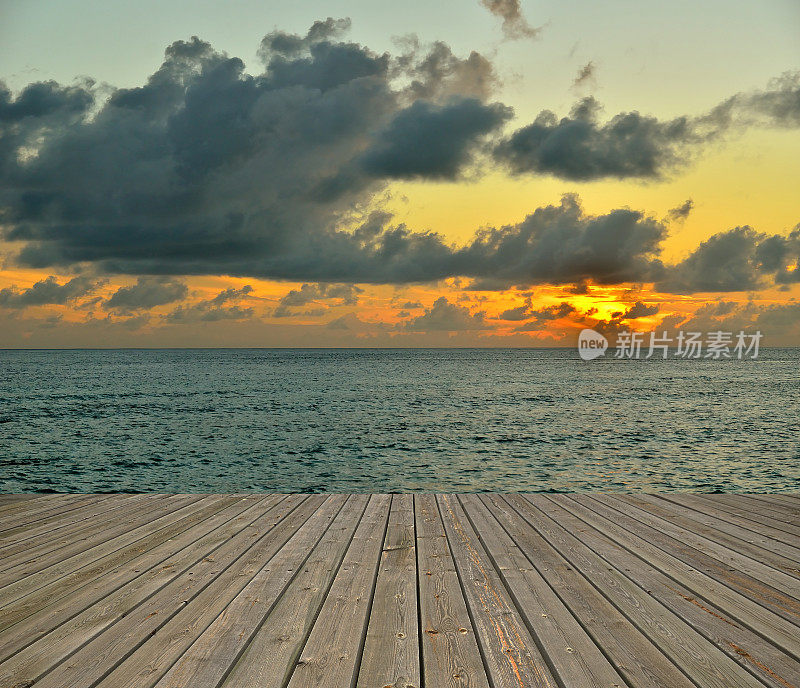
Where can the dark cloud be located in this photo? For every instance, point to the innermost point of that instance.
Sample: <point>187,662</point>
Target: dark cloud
<point>777,105</point>
<point>288,44</point>
<point>345,294</point>
<point>44,99</point>
<point>436,74</point>
<point>208,170</point>
<point>555,312</point>
<point>562,245</point>
<point>681,212</point>
<point>779,320</point>
<point>639,310</point>
<point>432,141</point>
<point>231,294</point>
<point>585,75</point>
<point>740,259</point>
<point>353,324</point>
<point>47,291</point>
<point>205,313</point>
<point>545,315</point>
<point>580,147</point>
<point>522,312</point>
<point>778,323</point>
<point>578,289</point>
<point>215,308</point>
<point>34,113</point>
<point>135,322</point>
<point>148,292</point>
<point>447,317</point>
<point>514,24</point>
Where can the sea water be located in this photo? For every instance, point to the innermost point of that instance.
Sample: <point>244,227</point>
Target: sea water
<point>335,420</point>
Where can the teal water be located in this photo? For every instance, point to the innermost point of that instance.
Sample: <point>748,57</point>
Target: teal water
<point>395,420</point>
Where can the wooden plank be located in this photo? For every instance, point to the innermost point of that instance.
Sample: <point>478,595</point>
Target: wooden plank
<point>631,652</point>
<point>154,562</point>
<point>510,654</point>
<point>95,535</point>
<point>687,649</point>
<point>44,503</point>
<point>758,512</point>
<point>661,591</point>
<point>739,572</point>
<point>152,659</point>
<point>15,506</point>
<point>80,557</point>
<point>266,571</point>
<point>269,659</point>
<point>208,660</point>
<point>762,659</point>
<point>9,498</point>
<point>736,606</point>
<point>43,497</point>
<point>332,653</point>
<point>391,651</point>
<point>791,500</point>
<point>57,520</point>
<point>17,518</point>
<point>776,500</point>
<point>71,583</point>
<point>450,651</point>
<point>753,522</point>
<point>65,638</point>
<point>92,648</point>
<point>730,535</point>
<point>769,538</point>
<point>33,556</point>
<point>779,513</point>
<point>572,653</point>
<point>78,521</point>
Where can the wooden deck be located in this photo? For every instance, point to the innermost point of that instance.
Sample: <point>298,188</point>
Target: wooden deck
<point>382,591</point>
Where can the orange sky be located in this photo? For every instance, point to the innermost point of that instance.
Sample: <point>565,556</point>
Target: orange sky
<point>746,177</point>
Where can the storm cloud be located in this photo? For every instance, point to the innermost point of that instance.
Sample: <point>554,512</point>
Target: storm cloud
<point>447,317</point>
<point>740,259</point>
<point>639,310</point>
<point>544,315</point>
<point>583,147</point>
<point>434,142</point>
<point>778,322</point>
<point>585,75</point>
<point>48,291</point>
<point>343,294</point>
<point>580,147</point>
<point>681,212</point>
<point>208,170</point>
<point>216,308</point>
<point>560,244</point>
<point>148,292</point>
<point>515,25</point>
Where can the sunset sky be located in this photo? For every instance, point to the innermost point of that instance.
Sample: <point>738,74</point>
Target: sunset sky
<point>479,173</point>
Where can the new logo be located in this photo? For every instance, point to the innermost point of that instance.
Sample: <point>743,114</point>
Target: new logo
<point>591,344</point>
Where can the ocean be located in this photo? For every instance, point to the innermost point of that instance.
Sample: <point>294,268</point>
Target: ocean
<point>402,420</point>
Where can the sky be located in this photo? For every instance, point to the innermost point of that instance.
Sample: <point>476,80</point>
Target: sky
<point>480,173</point>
